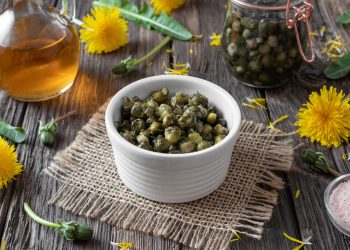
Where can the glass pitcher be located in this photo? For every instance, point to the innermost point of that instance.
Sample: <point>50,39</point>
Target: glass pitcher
<point>39,50</point>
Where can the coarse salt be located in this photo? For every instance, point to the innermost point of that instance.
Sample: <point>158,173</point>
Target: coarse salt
<point>340,201</point>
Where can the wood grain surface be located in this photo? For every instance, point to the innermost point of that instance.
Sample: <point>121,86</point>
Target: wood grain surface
<point>300,218</point>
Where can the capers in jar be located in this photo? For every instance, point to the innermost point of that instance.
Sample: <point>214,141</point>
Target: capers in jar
<point>177,124</point>
<point>259,48</point>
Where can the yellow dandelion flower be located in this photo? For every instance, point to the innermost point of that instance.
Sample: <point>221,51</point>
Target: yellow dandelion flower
<point>9,166</point>
<point>104,30</point>
<point>215,40</point>
<point>325,118</point>
<point>166,5</point>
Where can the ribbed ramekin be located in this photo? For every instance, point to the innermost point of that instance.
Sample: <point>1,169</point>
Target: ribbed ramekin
<point>173,178</point>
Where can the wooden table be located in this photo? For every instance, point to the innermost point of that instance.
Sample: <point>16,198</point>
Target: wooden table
<point>95,84</point>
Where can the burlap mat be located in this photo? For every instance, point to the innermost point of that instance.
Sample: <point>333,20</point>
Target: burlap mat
<point>244,202</point>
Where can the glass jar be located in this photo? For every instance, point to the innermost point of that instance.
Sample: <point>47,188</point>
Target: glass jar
<point>340,223</point>
<point>261,47</point>
<point>39,50</point>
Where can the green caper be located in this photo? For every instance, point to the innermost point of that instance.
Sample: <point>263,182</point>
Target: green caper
<point>137,110</point>
<point>219,138</point>
<point>152,103</point>
<point>246,33</point>
<point>127,106</point>
<point>249,23</point>
<point>186,120</point>
<point>145,145</point>
<point>199,99</point>
<point>236,26</point>
<point>219,129</point>
<point>240,70</point>
<point>255,66</point>
<point>203,145</point>
<point>187,146</point>
<point>207,129</point>
<point>138,125</point>
<point>198,126</point>
<point>194,110</point>
<point>251,43</point>
<point>155,128</point>
<point>211,118</point>
<point>178,111</point>
<point>161,144</point>
<point>169,120</point>
<point>204,111</point>
<point>143,137</point>
<point>161,96</point>
<point>124,125</point>
<point>179,99</point>
<point>163,110</point>
<point>281,56</point>
<point>272,41</point>
<point>129,136</point>
<point>196,137</point>
<point>172,134</point>
<point>267,60</point>
<point>264,49</point>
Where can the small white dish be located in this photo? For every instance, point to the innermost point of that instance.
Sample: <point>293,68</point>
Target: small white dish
<point>173,178</point>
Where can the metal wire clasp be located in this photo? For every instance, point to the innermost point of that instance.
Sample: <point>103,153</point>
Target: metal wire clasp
<point>303,14</point>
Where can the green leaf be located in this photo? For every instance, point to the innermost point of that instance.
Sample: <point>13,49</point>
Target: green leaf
<point>338,69</point>
<point>15,134</point>
<point>344,19</point>
<point>147,18</point>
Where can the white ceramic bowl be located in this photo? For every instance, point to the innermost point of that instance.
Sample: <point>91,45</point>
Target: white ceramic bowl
<point>173,178</point>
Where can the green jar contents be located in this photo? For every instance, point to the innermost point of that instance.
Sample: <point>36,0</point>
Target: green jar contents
<point>177,124</point>
<point>259,48</point>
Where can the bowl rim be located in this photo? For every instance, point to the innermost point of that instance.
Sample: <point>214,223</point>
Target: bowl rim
<point>327,195</point>
<point>112,131</point>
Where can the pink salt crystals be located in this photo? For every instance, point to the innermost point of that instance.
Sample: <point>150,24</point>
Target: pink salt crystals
<point>340,201</point>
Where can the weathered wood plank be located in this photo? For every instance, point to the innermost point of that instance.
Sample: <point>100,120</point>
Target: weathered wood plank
<point>310,209</point>
<point>93,86</point>
<point>207,62</point>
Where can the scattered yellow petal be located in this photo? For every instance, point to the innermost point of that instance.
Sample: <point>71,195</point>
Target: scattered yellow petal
<point>169,51</point>
<point>123,245</point>
<point>190,51</point>
<point>254,102</point>
<point>9,165</point>
<point>297,194</point>
<point>313,33</point>
<point>215,40</point>
<point>104,30</point>
<point>301,243</point>
<point>323,30</point>
<point>273,124</point>
<point>333,48</point>
<point>249,105</point>
<point>325,118</point>
<point>236,236</point>
<point>166,5</point>
<point>178,69</point>
<point>3,244</point>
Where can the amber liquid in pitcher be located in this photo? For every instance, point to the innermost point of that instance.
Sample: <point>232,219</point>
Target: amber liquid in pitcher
<point>44,62</point>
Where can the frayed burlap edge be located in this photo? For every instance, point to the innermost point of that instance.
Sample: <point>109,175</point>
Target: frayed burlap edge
<point>78,200</point>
